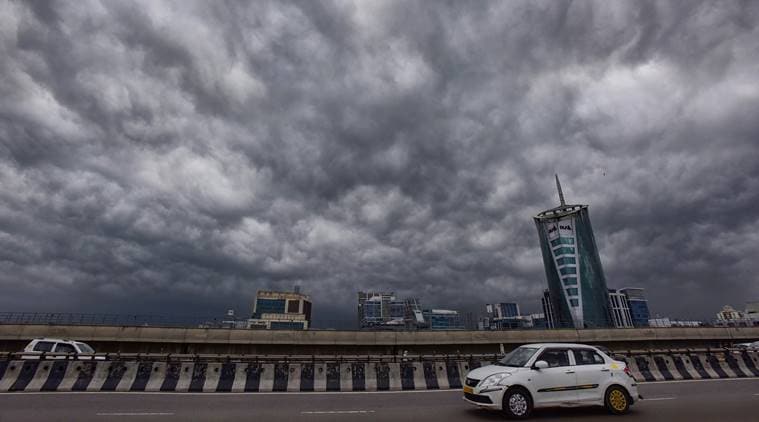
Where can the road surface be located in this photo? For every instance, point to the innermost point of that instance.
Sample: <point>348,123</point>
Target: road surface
<point>718,400</point>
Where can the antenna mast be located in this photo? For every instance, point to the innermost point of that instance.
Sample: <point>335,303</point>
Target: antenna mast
<point>558,187</point>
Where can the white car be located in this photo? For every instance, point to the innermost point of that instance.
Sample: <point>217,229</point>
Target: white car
<point>57,346</point>
<point>748,346</point>
<point>548,375</point>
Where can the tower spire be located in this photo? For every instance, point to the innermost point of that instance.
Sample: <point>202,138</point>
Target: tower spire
<point>558,187</point>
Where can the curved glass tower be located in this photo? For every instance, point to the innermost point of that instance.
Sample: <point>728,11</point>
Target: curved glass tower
<point>573,268</point>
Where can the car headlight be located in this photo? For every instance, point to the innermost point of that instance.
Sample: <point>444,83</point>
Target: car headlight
<point>495,379</point>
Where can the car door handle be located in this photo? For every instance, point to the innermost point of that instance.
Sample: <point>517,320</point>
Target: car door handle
<point>570,372</point>
<point>605,370</point>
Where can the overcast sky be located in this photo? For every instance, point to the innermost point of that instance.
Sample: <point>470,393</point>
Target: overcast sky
<point>175,157</point>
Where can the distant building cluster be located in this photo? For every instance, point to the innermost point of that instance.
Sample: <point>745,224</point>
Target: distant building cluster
<point>729,317</point>
<point>383,311</point>
<point>577,296</point>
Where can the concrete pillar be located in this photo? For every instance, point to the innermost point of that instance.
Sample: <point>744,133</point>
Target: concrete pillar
<point>346,377</point>
<point>395,376</point>
<point>371,376</point>
<point>442,375</point>
<point>157,377</point>
<point>213,373</point>
<point>267,378</point>
<point>320,377</point>
<point>241,375</point>
<point>130,373</point>
<point>293,380</point>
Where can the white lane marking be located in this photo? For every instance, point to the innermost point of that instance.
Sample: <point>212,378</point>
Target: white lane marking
<point>335,412</point>
<point>134,414</point>
<point>660,398</point>
<point>757,394</point>
<point>698,380</point>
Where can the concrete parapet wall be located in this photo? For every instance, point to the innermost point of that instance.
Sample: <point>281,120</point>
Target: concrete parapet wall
<point>240,376</point>
<point>235,341</point>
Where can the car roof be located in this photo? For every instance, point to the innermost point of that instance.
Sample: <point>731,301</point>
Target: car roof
<point>588,346</point>
<point>58,340</point>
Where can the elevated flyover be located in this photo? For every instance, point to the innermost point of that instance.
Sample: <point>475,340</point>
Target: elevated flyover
<point>130,339</point>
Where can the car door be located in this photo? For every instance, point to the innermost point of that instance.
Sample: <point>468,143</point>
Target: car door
<point>592,374</point>
<point>557,383</point>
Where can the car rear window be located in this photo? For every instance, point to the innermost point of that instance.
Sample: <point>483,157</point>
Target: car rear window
<point>85,348</point>
<point>43,346</point>
<point>587,357</point>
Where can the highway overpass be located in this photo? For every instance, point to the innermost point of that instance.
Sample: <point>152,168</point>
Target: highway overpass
<point>126,339</point>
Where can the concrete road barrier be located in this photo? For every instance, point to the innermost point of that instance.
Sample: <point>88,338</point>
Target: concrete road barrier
<point>177,376</point>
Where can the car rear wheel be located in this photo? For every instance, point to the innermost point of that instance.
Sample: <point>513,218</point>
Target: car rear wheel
<point>617,400</point>
<point>517,403</point>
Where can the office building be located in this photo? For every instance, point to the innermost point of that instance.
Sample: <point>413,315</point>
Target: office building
<point>442,319</point>
<point>502,310</point>
<point>280,311</point>
<point>572,266</point>
<point>636,299</point>
<point>547,304</point>
<point>619,309</point>
<point>382,311</point>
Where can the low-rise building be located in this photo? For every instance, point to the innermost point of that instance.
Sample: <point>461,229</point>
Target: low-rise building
<point>280,311</point>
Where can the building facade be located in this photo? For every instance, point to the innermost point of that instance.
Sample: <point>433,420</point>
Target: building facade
<point>619,309</point>
<point>383,311</point>
<point>442,319</point>
<point>638,303</point>
<point>280,311</point>
<point>502,310</point>
<point>573,266</point>
<point>547,304</point>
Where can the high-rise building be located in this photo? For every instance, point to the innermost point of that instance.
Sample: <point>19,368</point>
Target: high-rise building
<point>573,266</point>
<point>636,299</point>
<point>619,309</point>
<point>280,311</point>
<point>548,309</point>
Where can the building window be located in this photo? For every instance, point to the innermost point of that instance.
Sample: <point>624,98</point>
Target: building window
<point>270,306</point>
<point>568,270</point>
<point>566,260</point>
<point>574,302</point>
<point>293,306</point>
<point>570,281</point>
<point>563,241</point>
<point>564,251</point>
<point>572,292</point>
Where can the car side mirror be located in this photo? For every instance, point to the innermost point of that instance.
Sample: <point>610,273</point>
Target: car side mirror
<point>541,364</point>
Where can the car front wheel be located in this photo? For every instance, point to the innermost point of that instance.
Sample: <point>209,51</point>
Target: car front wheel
<point>517,403</point>
<point>617,400</point>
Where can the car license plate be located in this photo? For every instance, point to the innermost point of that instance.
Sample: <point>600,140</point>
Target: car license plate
<point>468,389</point>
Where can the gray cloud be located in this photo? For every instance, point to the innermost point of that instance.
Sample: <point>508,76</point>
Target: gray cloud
<point>176,157</point>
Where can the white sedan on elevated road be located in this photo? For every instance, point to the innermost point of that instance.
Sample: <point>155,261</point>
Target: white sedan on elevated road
<point>552,374</point>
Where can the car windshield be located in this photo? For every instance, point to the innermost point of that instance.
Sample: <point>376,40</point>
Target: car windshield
<point>85,348</point>
<point>518,357</point>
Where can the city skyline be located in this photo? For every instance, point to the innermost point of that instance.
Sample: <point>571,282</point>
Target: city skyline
<point>175,160</point>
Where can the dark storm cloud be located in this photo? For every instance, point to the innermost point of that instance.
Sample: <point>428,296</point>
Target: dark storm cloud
<point>176,157</point>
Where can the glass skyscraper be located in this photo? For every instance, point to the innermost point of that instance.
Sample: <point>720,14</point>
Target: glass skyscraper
<point>573,268</point>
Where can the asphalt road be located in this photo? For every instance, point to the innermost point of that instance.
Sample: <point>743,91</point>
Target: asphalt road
<point>719,400</point>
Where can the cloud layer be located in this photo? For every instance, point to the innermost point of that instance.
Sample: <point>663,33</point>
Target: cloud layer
<point>174,157</point>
